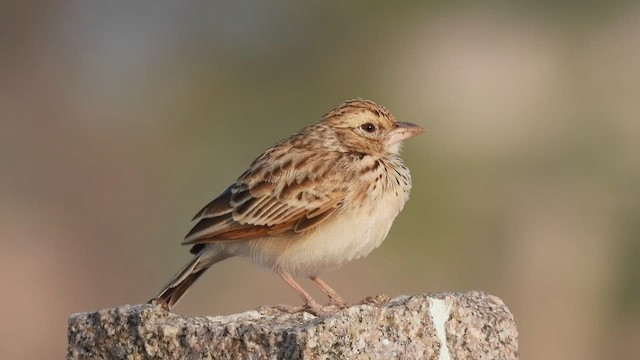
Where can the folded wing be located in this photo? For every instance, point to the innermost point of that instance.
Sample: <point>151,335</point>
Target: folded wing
<point>282,195</point>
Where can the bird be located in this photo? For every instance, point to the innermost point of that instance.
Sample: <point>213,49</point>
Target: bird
<point>326,195</point>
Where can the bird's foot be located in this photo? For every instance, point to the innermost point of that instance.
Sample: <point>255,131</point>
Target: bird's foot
<point>375,300</point>
<point>159,303</point>
<point>312,308</point>
<point>320,310</point>
<point>338,301</point>
<point>335,298</point>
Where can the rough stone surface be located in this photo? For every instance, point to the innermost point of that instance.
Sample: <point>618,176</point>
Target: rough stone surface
<point>472,325</point>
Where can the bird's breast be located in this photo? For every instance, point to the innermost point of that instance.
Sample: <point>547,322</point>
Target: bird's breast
<point>349,235</point>
<point>352,232</point>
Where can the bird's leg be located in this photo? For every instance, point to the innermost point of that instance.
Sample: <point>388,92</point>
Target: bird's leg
<point>313,305</point>
<point>336,299</point>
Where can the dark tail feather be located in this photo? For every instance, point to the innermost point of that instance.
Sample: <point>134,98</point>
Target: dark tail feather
<point>182,281</point>
<point>172,294</point>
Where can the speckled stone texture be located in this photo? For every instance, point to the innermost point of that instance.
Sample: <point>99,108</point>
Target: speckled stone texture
<point>472,325</point>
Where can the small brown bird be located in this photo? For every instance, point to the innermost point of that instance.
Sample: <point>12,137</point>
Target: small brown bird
<point>323,197</point>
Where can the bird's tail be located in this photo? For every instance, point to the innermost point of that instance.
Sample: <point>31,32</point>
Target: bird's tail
<point>180,283</point>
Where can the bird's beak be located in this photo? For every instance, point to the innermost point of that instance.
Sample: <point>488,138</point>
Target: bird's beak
<point>403,131</point>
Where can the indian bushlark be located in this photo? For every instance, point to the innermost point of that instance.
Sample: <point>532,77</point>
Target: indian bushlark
<point>324,196</point>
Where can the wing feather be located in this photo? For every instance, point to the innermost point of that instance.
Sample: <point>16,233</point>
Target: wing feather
<point>218,207</point>
<point>280,193</point>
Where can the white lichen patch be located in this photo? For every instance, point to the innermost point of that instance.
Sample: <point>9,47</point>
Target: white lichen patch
<point>440,310</point>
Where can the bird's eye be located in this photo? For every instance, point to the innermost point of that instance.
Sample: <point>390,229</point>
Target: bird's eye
<point>368,127</point>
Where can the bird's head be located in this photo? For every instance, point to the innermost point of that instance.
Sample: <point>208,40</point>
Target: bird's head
<point>362,126</point>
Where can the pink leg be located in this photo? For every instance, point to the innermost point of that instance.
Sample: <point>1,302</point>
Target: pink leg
<point>309,301</point>
<point>336,299</point>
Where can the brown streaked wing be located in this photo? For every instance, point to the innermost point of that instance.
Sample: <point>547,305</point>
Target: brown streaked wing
<point>219,206</point>
<point>221,228</point>
<point>313,219</point>
<point>289,202</point>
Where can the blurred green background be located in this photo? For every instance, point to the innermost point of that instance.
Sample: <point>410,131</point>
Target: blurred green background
<point>118,121</point>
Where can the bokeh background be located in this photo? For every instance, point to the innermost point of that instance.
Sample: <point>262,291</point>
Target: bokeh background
<point>118,121</point>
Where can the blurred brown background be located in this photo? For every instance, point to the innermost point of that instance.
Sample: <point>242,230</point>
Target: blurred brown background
<point>119,121</point>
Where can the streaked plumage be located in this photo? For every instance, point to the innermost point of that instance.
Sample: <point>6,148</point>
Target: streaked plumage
<point>324,196</point>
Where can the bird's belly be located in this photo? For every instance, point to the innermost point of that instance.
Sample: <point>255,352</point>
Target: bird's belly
<point>347,237</point>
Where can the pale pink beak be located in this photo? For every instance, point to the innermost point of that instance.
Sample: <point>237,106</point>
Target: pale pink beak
<point>403,131</point>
